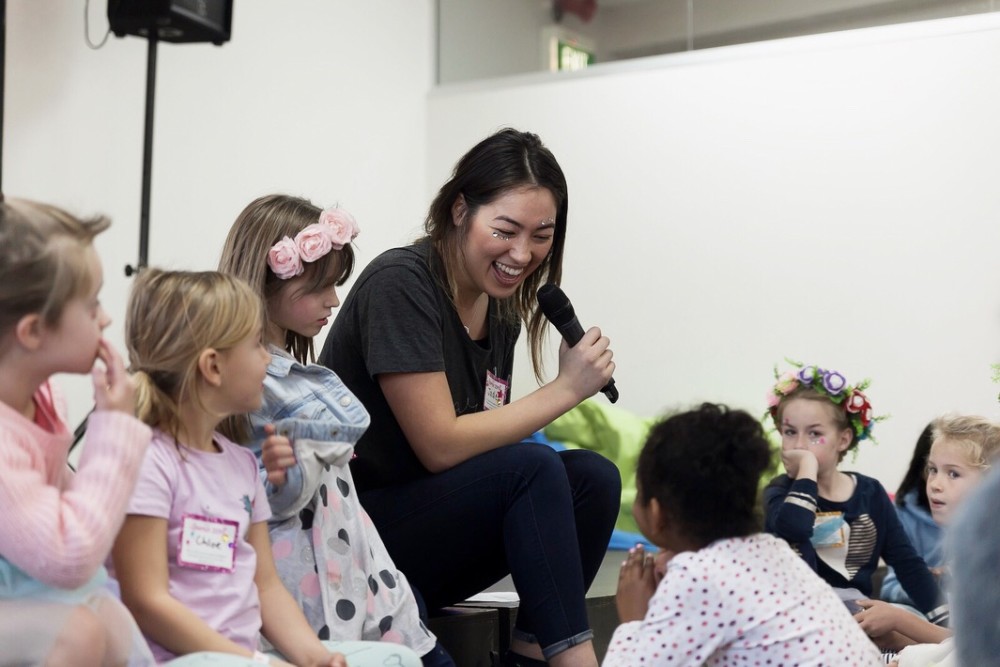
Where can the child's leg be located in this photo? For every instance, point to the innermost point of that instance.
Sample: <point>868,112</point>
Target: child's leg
<point>375,654</point>
<point>83,641</point>
<point>123,639</point>
<point>50,633</point>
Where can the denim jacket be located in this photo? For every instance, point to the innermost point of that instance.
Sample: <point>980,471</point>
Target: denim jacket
<point>318,413</point>
<point>322,540</point>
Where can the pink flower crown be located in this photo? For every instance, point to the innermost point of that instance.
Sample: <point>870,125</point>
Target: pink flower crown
<point>335,229</point>
<point>834,386</point>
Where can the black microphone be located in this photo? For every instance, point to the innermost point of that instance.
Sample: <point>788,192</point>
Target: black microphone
<point>557,308</point>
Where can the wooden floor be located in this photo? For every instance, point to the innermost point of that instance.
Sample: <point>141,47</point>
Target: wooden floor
<point>472,631</point>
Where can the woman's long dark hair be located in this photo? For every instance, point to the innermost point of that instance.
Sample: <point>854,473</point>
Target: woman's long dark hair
<point>504,161</point>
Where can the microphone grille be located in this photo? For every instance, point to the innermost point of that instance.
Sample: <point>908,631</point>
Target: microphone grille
<point>555,304</point>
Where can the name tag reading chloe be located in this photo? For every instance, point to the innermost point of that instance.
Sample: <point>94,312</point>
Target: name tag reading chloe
<point>207,543</point>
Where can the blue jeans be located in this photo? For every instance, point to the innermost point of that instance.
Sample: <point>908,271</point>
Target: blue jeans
<point>542,516</point>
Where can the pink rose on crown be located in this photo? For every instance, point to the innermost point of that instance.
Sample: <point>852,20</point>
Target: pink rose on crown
<point>772,399</point>
<point>313,242</point>
<point>341,225</point>
<point>283,258</point>
<point>786,384</point>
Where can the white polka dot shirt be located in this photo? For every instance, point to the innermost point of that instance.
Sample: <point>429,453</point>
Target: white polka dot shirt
<point>745,601</point>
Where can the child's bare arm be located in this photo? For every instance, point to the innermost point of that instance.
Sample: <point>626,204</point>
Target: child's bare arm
<point>140,557</point>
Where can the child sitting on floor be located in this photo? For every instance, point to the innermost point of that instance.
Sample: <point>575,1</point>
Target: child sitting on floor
<point>840,523</point>
<point>730,593</point>
<point>58,525</point>
<point>194,557</point>
<point>914,512</point>
<point>960,455</point>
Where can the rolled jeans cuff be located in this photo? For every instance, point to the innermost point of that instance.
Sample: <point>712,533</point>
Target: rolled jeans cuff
<point>555,649</point>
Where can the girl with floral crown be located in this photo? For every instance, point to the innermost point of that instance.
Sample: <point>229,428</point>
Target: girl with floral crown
<point>327,551</point>
<point>841,523</point>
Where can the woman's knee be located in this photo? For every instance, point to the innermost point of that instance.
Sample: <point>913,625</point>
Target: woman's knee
<point>532,459</point>
<point>590,469</point>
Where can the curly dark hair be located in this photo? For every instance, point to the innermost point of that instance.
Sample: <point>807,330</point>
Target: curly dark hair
<point>704,467</point>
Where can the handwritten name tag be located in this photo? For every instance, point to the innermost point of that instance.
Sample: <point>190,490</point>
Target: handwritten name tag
<point>208,543</point>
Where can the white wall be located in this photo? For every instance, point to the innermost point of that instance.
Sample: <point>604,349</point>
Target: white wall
<point>831,199</point>
<point>313,97</point>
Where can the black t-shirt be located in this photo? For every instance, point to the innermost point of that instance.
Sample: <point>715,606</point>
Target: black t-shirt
<point>398,318</point>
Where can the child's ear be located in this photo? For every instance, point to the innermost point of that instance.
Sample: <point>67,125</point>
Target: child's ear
<point>208,366</point>
<point>658,517</point>
<point>846,436</point>
<point>459,209</point>
<point>29,331</point>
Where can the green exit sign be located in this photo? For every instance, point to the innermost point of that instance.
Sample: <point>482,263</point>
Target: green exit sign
<point>572,57</point>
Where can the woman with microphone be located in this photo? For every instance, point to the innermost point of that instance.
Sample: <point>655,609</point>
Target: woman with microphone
<point>426,341</point>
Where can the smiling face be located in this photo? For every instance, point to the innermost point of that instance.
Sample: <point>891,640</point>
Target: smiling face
<point>811,425</point>
<point>504,241</point>
<point>950,478</point>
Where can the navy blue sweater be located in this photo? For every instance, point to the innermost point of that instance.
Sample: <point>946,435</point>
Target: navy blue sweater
<point>791,507</point>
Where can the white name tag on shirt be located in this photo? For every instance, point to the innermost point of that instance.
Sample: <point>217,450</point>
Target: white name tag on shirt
<point>208,543</point>
<point>496,392</point>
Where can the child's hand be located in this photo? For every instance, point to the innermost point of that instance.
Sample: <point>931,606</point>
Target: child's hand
<point>113,386</point>
<point>636,585</point>
<point>660,564</point>
<point>277,455</point>
<point>799,463</point>
<point>326,660</point>
<point>877,618</point>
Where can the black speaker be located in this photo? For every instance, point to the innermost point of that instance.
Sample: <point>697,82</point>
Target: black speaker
<point>173,20</point>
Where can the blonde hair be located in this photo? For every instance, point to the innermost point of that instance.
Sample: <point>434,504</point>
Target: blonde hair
<point>977,437</point>
<point>265,221</point>
<point>172,317</point>
<point>42,267</point>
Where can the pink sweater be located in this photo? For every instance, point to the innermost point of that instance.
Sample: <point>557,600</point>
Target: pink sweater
<point>58,526</point>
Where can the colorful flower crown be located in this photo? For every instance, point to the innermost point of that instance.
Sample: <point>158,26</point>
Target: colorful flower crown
<point>831,384</point>
<point>335,229</point>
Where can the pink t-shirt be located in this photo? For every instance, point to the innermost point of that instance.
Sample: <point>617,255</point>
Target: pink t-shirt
<point>191,485</point>
<point>742,601</point>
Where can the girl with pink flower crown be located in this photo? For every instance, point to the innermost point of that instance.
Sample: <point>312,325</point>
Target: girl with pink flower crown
<point>58,525</point>
<point>841,523</point>
<point>327,551</point>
